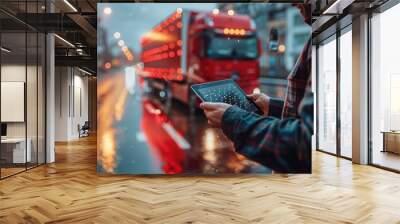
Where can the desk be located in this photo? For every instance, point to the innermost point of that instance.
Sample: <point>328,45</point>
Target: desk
<point>16,147</point>
<point>391,141</point>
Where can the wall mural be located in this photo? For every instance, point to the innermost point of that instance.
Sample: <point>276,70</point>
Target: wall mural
<point>150,121</point>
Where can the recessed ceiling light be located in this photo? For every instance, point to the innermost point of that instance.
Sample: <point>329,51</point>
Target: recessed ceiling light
<point>84,71</point>
<point>70,5</point>
<point>337,7</point>
<point>65,41</point>
<point>5,50</point>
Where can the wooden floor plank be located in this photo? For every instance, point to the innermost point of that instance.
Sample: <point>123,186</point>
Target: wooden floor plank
<point>70,191</point>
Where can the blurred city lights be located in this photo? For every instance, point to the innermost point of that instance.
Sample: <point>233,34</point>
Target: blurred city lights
<point>128,54</point>
<point>117,35</point>
<point>162,94</point>
<point>107,65</point>
<point>215,11</point>
<point>179,10</point>
<point>121,43</point>
<point>116,62</point>
<point>107,10</point>
<point>231,12</point>
<point>209,140</point>
<point>281,48</point>
<point>108,150</point>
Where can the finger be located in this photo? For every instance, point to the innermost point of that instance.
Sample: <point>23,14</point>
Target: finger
<point>212,106</point>
<point>253,96</point>
<point>258,101</point>
<point>207,105</point>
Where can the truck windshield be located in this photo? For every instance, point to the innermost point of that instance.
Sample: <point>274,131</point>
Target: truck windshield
<point>223,47</point>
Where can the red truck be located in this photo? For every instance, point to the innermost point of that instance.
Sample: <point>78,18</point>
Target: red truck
<point>192,47</point>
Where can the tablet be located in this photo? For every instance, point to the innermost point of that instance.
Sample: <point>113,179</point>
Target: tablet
<point>225,91</point>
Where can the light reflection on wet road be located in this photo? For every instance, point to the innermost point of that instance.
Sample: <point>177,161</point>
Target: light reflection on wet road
<point>140,135</point>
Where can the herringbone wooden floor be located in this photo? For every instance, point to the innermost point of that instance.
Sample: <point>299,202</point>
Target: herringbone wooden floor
<point>70,191</point>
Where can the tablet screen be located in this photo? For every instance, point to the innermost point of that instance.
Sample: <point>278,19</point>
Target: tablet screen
<point>225,91</point>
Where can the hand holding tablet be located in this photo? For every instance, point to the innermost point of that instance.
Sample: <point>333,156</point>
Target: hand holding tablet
<point>225,91</point>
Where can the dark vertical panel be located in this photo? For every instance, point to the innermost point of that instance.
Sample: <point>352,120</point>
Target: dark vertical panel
<point>338,74</point>
<point>26,86</point>
<point>69,92</point>
<point>37,91</point>
<point>369,100</point>
<point>46,3</point>
<point>60,88</point>
<point>73,91</point>
<point>317,96</point>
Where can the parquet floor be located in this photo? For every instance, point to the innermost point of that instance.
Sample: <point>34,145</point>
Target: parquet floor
<point>70,191</point>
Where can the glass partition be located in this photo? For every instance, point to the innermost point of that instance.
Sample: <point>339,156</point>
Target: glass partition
<point>22,91</point>
<point>14,153</point>
<point>346,94</point>
<point>31,99</point>
<point>385,89</point>
<point>327,96</point>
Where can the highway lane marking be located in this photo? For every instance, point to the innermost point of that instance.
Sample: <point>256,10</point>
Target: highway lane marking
<point>141,137</point>
<point>179,140</point>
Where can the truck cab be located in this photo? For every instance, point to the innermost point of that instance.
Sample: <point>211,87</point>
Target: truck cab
<point>222,46</point>
<point>190,47</point>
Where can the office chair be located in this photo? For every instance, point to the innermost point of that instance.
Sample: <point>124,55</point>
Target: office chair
<point>84,130</point>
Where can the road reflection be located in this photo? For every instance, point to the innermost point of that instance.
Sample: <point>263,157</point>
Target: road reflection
<point>111,96</point>
<point>141,134</point>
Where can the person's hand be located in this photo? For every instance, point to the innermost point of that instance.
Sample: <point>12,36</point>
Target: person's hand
<point>261,100</point>
<point>214,112</point>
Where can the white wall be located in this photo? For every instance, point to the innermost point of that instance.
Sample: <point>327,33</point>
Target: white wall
<point>71,93</point>
<point>61,103</point>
